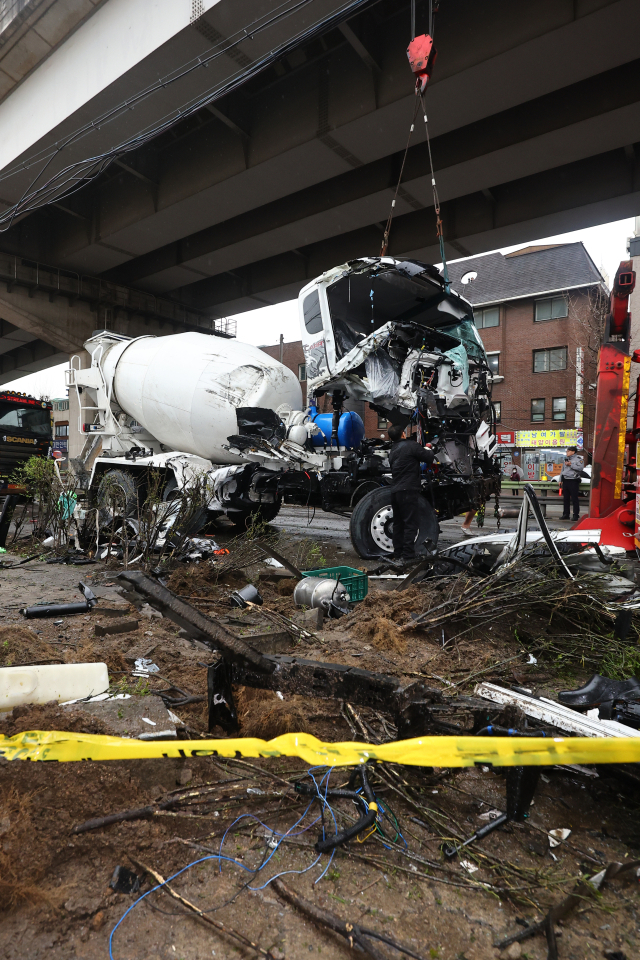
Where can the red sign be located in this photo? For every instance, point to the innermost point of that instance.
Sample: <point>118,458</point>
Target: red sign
<point>506,437</point>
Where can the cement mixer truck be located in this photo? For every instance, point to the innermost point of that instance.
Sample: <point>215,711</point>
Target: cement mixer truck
<point>386,331</point>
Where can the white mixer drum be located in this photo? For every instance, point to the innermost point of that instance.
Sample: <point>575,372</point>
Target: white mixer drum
<point>185,389</point>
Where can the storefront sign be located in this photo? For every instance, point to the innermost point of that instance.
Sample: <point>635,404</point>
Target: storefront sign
<point>547,438</point>
<point>506,438</point>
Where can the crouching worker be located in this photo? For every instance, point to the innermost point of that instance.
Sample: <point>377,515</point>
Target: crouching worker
<point>405,458</point>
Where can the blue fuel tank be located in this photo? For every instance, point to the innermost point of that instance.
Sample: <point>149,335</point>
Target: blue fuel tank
<point>350,430</point>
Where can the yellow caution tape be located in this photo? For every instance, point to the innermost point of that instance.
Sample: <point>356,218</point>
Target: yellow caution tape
<point>421,752</point>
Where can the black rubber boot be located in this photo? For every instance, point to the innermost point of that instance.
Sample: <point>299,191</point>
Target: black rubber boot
<point>599,690</point>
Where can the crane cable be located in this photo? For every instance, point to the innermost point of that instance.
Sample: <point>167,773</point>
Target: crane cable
<point>436,202</point>
<point>436,199</point>
<point>387,229</point>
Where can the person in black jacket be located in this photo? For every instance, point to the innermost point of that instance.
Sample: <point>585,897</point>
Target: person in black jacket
<point>405,458</point>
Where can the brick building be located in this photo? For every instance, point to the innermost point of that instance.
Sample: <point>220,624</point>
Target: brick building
<point>537,312</point>
<point>292,357</point>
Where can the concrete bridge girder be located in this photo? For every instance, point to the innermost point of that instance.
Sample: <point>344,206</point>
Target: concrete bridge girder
<point>39,329</point>
<point>534,114</point>
<point>289,151</point>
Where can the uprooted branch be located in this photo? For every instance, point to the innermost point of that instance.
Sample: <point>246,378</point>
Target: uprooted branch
<point>352,932</point>
<point>584,890</point>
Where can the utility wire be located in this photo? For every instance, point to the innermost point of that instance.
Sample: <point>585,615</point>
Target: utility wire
<point>75,176</point>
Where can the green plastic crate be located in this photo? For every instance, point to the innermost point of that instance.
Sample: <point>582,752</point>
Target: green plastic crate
<point>355,581</point>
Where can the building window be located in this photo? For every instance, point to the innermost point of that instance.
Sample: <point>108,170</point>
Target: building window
<point>537,409</point>
<point>62,429</point>
<point>383,423</point>
<point>487,317</point>
<point>302,372</point>
<point>546,361</point>
<point>559,408</point>
<point>497,406</point>
<point>552,309</point>
<point>493,359</point>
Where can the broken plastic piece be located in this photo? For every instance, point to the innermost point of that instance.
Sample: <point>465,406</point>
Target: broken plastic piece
<point>558,835</point>
<point>146,666</point>
<point>41,683</point>
<point>248,594</point>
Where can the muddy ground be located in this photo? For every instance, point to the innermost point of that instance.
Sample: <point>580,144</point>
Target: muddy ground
<point>54,884</point>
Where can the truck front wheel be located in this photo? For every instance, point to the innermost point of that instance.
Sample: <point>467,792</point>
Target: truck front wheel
<point>117,496</point>
<point>371,526</point>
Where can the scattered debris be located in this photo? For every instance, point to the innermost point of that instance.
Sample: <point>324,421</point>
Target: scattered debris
<point>555,714</point>
<point>145,666</point>
<point>63,609</point>
<point>557,835</point>
<point>330,596</point>
<point>41,684</point>
<point>115,626</point>
<point>247,595</point>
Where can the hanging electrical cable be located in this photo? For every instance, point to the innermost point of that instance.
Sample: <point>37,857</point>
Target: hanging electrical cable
<point>78,174</point>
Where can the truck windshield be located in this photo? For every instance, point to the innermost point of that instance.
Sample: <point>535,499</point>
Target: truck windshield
<point>32,420</point>
<point>360,303</point>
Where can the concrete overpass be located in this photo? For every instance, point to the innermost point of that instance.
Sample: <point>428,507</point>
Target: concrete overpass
<point>290,167</point>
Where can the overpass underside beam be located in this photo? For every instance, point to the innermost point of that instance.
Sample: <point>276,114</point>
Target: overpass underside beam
<point>595,190</point>
<point>29,358</point>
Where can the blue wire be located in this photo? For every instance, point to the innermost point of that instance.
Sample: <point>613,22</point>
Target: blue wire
<point>324,782</point>
<point>213,856</point>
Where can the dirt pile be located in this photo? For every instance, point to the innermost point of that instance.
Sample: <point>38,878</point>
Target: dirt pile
<point>21,645</point>
<point>377,619</point>
<point>263,714</point>
<point>51,716</point>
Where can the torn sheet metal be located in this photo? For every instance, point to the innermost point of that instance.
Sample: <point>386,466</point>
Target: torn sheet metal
<point>555,714</point>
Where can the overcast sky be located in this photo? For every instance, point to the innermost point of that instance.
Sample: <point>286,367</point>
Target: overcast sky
<point>606,244</point>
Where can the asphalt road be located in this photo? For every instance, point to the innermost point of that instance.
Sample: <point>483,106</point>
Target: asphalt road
<point>300,523</point>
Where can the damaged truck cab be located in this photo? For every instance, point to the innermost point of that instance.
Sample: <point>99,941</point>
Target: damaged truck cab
<point>191,407</point>
<point>391,332</point>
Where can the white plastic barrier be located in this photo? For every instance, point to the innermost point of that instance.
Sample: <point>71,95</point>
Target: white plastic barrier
<point>58,681</point>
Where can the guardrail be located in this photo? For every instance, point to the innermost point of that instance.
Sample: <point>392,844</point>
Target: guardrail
<point>67,283</point>
<point>547,492</point>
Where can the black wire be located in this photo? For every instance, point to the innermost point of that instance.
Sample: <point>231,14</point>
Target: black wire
<point>78,174</point>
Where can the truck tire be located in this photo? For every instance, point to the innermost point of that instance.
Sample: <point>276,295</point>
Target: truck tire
<point>372,524</point>
<point>471,554</point>
<point>264,512</point>
<point>117,495</point>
